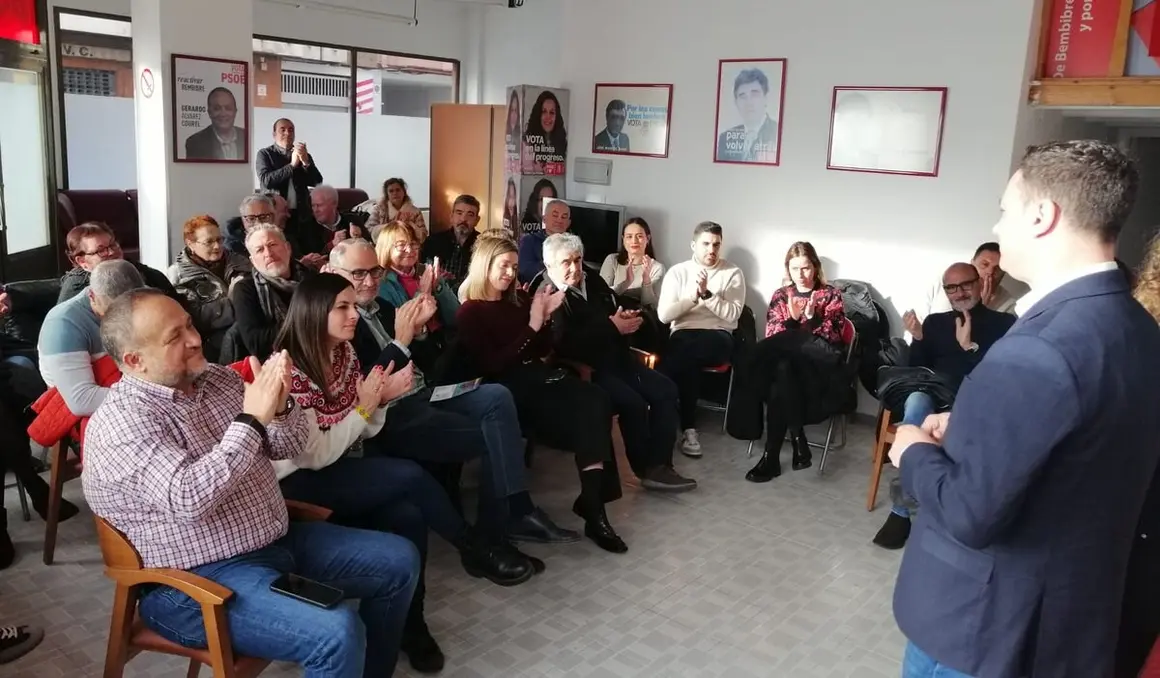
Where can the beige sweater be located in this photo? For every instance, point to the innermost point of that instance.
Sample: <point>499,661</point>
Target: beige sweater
<point>678,307</point>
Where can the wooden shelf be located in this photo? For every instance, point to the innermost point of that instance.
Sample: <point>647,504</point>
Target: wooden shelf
<point>1096,92</point>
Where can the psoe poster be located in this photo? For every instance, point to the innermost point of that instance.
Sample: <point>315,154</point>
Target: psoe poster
<point>210,104</point>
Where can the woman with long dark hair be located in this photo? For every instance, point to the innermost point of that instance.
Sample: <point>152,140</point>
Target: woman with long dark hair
<point>506,335</point>
<point>513,121</point>
<point>534,211</point>
<point>511,208</point>
<point>634,271</point>
<point>545,129</point>
<point>379,492</point>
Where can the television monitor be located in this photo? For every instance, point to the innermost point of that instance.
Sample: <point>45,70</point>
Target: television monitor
<point>599,227</point>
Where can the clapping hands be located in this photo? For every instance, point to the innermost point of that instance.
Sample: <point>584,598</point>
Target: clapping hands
<point>545,302</point>
<point>270,387</point>
<point>626,322</point>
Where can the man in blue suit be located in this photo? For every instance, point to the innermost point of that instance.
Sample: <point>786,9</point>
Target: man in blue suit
<point>1031,486</point>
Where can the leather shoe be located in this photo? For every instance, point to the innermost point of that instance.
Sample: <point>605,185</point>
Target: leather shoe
<point>422,651</point>
<point>767,468</point>
<point>537,528</point>
<point>538,566</point>
<point>599,530</point>
<point>497,564</point>
<point>802,456</point>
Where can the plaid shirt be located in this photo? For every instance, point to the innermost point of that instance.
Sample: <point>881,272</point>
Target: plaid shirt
<point>184,482</point>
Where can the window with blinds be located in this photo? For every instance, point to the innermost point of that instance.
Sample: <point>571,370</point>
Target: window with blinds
<point>90,81</point>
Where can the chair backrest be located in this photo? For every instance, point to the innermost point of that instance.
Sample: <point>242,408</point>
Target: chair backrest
<point>849,337</point>
<point>116,549</point>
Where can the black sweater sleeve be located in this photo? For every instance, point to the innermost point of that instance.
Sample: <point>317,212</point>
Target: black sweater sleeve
<point>257,332</point>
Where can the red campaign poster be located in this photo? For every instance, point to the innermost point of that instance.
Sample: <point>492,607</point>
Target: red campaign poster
<point>18,21</point>
<point>1081,37</point>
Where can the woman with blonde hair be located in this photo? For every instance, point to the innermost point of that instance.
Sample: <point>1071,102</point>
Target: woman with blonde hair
<point>506,335</point>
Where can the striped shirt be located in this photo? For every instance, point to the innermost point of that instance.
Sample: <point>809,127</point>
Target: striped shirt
<point>180,478</point>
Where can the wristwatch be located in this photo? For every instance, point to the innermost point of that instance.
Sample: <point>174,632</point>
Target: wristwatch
<point>252,421</point>
<point>286,408</point>
<point>705,294</point>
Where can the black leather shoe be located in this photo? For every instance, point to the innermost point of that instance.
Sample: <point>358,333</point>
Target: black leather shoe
<point>496,563</point>
<point>538,566</point>
<point>767,468</point>
<point>894,532</point>
<point>422,651</point>
<point>598,529</point>
<point>537,528</point>
<point>802,456</point>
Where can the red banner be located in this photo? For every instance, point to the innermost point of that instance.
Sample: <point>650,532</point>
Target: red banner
<point>18,21</point>
<point>1081,38</point>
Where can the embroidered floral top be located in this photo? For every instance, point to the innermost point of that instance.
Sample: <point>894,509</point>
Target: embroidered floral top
<point>336,427</point>
<point>828,318</point>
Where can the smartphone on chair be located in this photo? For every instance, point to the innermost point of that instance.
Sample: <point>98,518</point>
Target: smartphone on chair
<point>307,590</point>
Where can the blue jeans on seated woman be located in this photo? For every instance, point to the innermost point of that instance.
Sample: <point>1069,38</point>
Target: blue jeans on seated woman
<point>918,407</point>
<point>379,569</point>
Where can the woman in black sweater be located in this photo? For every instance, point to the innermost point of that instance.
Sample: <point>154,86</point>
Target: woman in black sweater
<point>505,334</point>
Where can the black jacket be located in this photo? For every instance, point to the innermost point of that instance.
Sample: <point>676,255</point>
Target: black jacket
<point>275,174</point>
<point>314,238</point>
<point>939,350</point>
<point>254,329</point>
<point>367,349</point>
<point>582,329</point>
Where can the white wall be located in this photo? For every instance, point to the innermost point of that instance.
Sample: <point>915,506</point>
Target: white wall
<point>101,142</point>
<point>897,232</point>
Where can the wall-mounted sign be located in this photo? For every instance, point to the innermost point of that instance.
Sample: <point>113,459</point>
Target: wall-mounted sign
<point>147,83</point>
<point>91,52</point>
<point>1081,38</point>
<point>210,96</point>
<point>18,21</point>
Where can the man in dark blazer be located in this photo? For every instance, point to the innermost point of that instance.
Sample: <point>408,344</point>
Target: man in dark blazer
<point>612,138</point>
<point>288,168</point>
<point>1030,488</point>
<point>592,328</point>
<point>222,140</point>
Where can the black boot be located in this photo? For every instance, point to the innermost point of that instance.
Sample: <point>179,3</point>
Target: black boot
<point>494,561</point>
<point>769,466</point>
<point>894,532</point>
<point>417,642</point>
<point>590,506</point>
<point>802,457</point>
<point>7,550</point>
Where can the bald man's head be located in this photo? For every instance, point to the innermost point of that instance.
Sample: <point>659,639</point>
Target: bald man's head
<point>961,284</point>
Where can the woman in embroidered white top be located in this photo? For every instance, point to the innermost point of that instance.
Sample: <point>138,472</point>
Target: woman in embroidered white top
<point>380,493</point>
<point>633,272</point>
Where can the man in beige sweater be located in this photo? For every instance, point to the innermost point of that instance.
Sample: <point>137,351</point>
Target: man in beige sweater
<point>701,299</point>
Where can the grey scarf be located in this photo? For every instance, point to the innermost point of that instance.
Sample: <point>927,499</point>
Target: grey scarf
<point>272,300</point>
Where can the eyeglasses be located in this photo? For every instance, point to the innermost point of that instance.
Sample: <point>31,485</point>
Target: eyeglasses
<point>963,286</point>
<point>211,242</point>
<point>106,251</point>
<point>360,274</point>
<point>263,218</point>
<point>405,246</point>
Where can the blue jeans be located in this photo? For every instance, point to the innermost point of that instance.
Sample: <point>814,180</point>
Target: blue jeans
<point>379,569</point>
<point>918,407</point>
<point>918,664</point>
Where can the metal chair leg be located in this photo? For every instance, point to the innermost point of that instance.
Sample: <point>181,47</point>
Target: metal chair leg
<point>23,500</point>
<point>728,399</point>
<point>749,452</point>
<point>826,447</point>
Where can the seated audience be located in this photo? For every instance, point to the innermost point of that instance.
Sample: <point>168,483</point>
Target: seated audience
<point>260,300</point>
<point>178,460</point>
<point>70,338</point>
<point>329,227</point>
<point>557,219</point>
<point>452,247</point>
<point>803,343</point>
<point>395,205</point>
<point>205,273</point>
<point>17,641</point>
<point>256,209</point>
<point>949,345</point>
<point>91,243</point>
<point>701,300</point>
<point>480,423</point>
<point>998,291</point>
<point>592,328</point>
<point>287,168</point>
<point>633,272</point>
<point>405,278</point>
<point>507,335</point>
<point>392,495</point>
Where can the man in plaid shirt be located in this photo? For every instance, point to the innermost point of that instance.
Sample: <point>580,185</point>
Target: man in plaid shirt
<point>178,458</point>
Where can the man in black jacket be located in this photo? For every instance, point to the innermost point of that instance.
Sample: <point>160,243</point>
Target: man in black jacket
<point>591,328</point>
<point>949,344</point>
<point>261,299</point>
<point>287,167</point>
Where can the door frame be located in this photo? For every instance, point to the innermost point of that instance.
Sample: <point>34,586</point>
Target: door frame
<point>27,265</point>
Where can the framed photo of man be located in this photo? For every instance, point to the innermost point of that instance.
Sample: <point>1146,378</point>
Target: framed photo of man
<point>750,97</point>
<point>211,101</point>
<point>632,119</point>
<point>887,130</point>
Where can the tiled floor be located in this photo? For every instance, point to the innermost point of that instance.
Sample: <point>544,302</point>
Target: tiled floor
<point>732,580</point>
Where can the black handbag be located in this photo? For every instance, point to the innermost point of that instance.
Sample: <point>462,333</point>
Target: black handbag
<point>896,383</point>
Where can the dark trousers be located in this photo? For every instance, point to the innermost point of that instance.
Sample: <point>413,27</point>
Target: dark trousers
<point>18,390</point>
<point>687,354</point>
<point>384,494</point>
<point>1140,616</point>
<point>646,402</point>
<point>566,412</point>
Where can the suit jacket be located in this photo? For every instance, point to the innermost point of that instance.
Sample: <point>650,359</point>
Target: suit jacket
<point>603,142</point>
<point>1016,562</point>
<point>367,348</point>
<point>582,329</point>
<point>275,174</point>
<point>204,145</point>
<point>731,144</point>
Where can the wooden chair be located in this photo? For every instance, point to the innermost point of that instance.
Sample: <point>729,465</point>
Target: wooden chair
<point>63,469</point>
<point>128,636</point>
<point>882,442</point>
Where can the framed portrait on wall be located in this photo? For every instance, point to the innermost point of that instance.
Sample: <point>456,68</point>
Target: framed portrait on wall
<point>633,119</point>
<point>211,100</point>
<point>750,96</point>
<point>887,130</point>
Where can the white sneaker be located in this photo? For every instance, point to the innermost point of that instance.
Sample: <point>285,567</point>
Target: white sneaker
<point>690,444</point>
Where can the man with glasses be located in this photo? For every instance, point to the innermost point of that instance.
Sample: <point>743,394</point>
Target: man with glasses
<point>91,243</point>
<point>997,290</point>
<point>949,344</point>
<point>258,209</point>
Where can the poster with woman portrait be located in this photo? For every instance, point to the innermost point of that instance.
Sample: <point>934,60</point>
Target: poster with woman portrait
<point>750,95</point>
<point>533,191</point>
<point>512,131</point>
<point>210,100</point>
<point>632,119</point>
<point>545,137</point>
